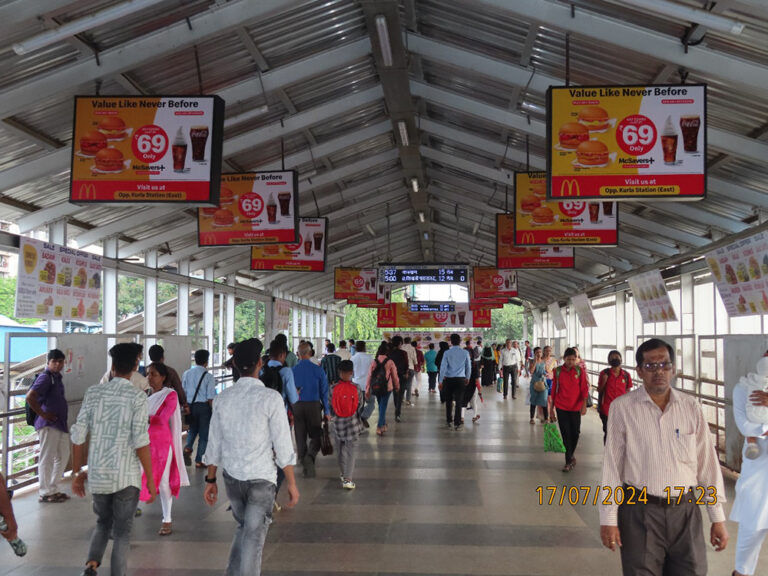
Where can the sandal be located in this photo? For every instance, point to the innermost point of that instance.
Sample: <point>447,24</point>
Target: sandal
<point>52,498</point>
<point>476,418</point>
<point>64,497</point>
<point>165,529</point>
<point>200,465</point>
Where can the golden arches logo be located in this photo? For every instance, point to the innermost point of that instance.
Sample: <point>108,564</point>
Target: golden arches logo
<point>209,239</point>
<point>528,238</point>
<point>87,192</point>
<point>570,188</point>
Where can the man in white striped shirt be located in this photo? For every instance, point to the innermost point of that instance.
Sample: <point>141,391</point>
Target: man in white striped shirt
<point>659,450</point>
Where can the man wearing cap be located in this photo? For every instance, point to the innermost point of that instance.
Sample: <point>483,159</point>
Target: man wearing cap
<point>249,439</point>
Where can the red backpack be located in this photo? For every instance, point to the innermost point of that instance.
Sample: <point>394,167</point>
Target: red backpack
<point>345,399</point>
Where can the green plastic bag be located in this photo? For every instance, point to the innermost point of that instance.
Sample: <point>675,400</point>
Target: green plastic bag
<point>552,440</point>
<point>499,382</point>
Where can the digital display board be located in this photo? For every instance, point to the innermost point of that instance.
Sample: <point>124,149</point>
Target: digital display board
<point>424,274</point>
<point>431,307</point>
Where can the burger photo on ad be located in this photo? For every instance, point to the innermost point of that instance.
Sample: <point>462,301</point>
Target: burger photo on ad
<point>113,127</point>
<point>594,118</point>
<point>592,153</point>
<point>529,203</point>
<point>543,215</point>
<point>571,134</point>
<point>109,160</point>
<point>91,142</point>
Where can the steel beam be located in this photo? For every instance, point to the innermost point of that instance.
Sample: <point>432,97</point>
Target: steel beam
<point>152,241</point>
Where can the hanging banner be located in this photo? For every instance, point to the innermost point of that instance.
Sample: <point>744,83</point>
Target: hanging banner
<point>571,222</point>
<point>741,275</point>
<point>584,311</point>
<point>360,283</point>
<point>147,149</point>
<point>537,318</point>
<point>627,142</point>
<point>254,208</point>
<point>282,318</point>
<point>57,283</point>
<point>485,304</point>
<point>382,298</point>
<point>488,282</point>
<point>651,296</point>
<point>509,256</point>
<point>557,316</point>
<point>306,255</point>
<point>397,316</point>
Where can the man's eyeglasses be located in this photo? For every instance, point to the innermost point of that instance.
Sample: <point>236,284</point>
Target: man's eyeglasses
<point>656,366</point>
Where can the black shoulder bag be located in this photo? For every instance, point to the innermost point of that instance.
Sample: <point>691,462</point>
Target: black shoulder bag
<point>188,417</point>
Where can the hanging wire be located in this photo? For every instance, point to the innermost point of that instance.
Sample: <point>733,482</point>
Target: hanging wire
<point>389,253</point>
<point>199,72</point>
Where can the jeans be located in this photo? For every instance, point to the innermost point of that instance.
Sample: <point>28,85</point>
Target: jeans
<point>383,402</point>
<point>432,380</point>
<point>454,393</point>
<point>114,514</point>
<point>408,385</point>
<point>510,373</point>
<point>370,406</point>
<point>201,422</point>
<point>252,502</point>
<point>398,395</point>
<point>570,428</point>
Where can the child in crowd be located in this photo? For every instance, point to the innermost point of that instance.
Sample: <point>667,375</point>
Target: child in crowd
<point>347,425</point>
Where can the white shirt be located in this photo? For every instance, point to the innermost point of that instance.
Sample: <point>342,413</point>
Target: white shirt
<point>343,353</point>
<point>362,363</point>
<point>139,382</point>
<point>655,450</point>
<point>412,358</point>
<point>510,357</point>
<point>114,415</point>
<point>249,435</point>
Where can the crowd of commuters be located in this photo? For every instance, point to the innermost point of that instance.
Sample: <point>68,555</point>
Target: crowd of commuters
<point>655,437</point>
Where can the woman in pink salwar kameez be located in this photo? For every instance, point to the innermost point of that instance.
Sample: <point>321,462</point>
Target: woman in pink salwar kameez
<point>164,443</point>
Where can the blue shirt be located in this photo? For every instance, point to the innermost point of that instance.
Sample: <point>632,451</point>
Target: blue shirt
<point>312,382</point>
<point>430,356</point>
<point>455,364</point>
<point>289,386</point>
<point>189,382</point>
<point>50,394</point>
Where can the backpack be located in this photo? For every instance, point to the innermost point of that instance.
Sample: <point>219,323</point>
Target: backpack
<point>345,399</point>
<point>379,380</point>
<point>30,415</point>
<point>270,375</point>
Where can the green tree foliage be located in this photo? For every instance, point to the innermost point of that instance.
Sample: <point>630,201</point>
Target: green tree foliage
<point>245,316</point>
<point>506,323</point>
<point>130,294</point>
<point>360,323</point>
<point>8,301</point>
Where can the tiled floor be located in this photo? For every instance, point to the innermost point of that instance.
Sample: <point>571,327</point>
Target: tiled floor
<point>428,501</point>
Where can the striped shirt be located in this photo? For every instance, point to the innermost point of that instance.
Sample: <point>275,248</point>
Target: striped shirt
<point>648,448</point>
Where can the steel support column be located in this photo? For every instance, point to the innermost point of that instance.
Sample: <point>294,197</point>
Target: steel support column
<point>109,287</point>
<point>208,304</point>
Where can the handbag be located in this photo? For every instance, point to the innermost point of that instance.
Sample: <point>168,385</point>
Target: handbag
<point>188,417</point>
<point>499,384</point>
<point>553,442</point>
<point>590,402</point>
<point>326,446</point>
<point>539,386</point>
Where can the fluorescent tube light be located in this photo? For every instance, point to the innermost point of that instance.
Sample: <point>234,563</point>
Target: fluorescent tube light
<point>426,235</point>
<point>81,25</point>
<point>415,184</point>
<point>475,228</point>
<point>421,217</point>
<point>384,44</point>
<point>703,17</point>
<point>371,231</point>
<point>403,128</point>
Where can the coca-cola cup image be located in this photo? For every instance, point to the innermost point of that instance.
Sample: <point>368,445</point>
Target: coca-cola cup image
<point>669,147</point>
<point>462,315</point>
<point>199,136</point>
<point>284,198</point>
<point>307,247</point>
<point>689,126</point>
<point>318,237</point>
<point>271,213</point>
<point>453,319</point>
<point>608,208</point>
<point>594,212</point>
<point>179,152</point>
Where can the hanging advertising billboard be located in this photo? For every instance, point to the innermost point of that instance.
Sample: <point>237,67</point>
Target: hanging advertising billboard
<point>306,255</point>
<point>509,256</point>
<point>741,275</point>
<point>399,316</point>
<point>147,149</point>
<point>627,142</point>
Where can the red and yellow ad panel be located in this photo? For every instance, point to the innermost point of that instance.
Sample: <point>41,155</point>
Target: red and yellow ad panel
<point>147,149</point>
<point>357,283</point>
<point>398,316</point>
<point>486,304</point>
<point>509,256</point>
<point>254,208</point>
<point>489,282</point>
<point>627,142</point>
<point>539,222</point>
<point>306,255</point>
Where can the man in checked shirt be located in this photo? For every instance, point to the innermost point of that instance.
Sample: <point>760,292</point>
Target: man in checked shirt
<point>658,440</point>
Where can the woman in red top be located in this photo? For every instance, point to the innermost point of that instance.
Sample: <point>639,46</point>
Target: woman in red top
<point>569,397</point>
<point>613,382</point>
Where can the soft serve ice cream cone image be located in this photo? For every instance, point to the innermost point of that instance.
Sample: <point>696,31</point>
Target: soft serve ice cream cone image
<point>30,258</point>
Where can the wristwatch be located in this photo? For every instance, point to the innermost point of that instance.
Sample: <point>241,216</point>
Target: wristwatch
<point>210,480</point>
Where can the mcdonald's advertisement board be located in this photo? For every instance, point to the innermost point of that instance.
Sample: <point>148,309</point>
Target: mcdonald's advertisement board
<point>509,256</point>
<point>627,142</point>
<point>254,208</point>
<point>355,283</point>
<point>147,149</point>
<point>398,316</point>
<point>489,282</point>
<point>57,283</point>
<point>382,298</point>
<point>567,222</point>
<point>306,255</point>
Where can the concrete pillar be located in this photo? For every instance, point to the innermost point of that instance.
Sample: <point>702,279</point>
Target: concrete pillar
<point>109,288</point>
<point>230,320</point>
<point>621,324</point>
<point>257,314</point>
<point>304,315</point>
<point>324,325</point>
<point>269,321</point>
<point>182,302</point>
<point>342,333</point>
<point>208,302</point>
<point>57,234</point>
<point>525,327</point>
<point>220,347</point>
<point>150,296</point>
<point>296,333</point>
